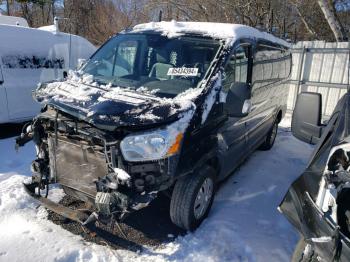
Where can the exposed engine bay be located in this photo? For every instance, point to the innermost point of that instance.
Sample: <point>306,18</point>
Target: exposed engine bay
<point>87,163</point>
<point>334,194</point>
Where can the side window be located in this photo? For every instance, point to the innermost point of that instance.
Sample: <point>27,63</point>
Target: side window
<point>237,68</point>
<point>270,64</point>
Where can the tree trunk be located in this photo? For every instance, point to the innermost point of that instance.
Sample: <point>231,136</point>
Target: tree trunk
<point>53,10</point>
<point>8,7</point>
<point>306,24</point>
<point>334,24</point>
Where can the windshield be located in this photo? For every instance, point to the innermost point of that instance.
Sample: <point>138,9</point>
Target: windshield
<point>154,62</point>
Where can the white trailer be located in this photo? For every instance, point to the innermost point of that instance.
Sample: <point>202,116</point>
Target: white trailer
<point>29,56</point>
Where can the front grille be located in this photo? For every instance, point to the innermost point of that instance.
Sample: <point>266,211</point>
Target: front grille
<point>76,164</point>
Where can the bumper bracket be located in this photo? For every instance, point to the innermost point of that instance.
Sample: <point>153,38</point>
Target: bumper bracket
<point>66,212</point>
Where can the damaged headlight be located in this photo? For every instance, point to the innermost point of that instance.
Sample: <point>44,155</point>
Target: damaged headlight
<point>150,146</point>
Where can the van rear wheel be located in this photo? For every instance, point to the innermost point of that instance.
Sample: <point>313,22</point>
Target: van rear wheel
<point>270,138</point>
<point>192,198</point>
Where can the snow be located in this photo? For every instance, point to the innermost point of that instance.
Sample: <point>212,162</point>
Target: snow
<point>179,127</point>
<point>70,91</point>
<point>243,225</point>
<point>49,28</point>
<point>121,174</point>
<point>82,93</point>
<point>225,31</point>
<point>212,96</point>
<point>125,96</point>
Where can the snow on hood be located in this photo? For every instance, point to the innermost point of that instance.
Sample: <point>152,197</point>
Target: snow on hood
<point>215,30</point>
<point>107,105</point>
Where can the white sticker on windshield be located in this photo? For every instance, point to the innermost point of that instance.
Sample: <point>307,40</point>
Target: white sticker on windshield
<point>182,71</point>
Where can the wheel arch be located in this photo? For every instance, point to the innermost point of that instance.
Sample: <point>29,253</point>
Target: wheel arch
<point>279,116</point>
<point>215,164</point>
<point>210,159</point>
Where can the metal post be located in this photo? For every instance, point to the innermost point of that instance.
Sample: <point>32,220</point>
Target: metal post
<point>300,70</point>
<point>8,7</point>
<point>349,67</point>
<point>160,16</point>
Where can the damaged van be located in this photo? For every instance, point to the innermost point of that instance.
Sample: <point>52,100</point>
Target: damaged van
<point>168,107</point>
<point>317,203</point>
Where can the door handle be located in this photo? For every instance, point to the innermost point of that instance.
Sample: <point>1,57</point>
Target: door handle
<point>1,82</point>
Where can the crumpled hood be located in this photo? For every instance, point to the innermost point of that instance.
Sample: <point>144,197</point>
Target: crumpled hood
<point>111,106</point>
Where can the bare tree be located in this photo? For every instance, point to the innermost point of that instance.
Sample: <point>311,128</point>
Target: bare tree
<point>7,4</point>
<point>8,7</point>
<point>328,10</point>
<point>299,9</point>
<point>99,19</point>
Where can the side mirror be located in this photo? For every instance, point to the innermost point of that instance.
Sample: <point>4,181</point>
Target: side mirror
<point>306,119</point>
<point>238,103</point>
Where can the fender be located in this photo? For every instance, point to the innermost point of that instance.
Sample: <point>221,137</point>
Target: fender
<point>210,157</point>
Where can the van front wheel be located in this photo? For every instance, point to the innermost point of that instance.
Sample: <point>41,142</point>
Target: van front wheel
<point>192,198</point>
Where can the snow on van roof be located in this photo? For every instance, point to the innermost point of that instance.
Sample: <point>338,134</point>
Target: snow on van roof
<point>13,20</point>
<point>48,28</point>
<point>215,30</point>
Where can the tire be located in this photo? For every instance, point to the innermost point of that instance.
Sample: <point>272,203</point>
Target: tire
<point>198,186</point>
<point>270,138</point>
<point>299,256</point>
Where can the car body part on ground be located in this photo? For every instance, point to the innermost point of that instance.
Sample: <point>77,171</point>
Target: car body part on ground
<point>317,203</point>
<point>30,56</point>
<point>162,107</point>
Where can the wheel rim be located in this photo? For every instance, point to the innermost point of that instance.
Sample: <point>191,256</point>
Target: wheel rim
<point>203,198</point>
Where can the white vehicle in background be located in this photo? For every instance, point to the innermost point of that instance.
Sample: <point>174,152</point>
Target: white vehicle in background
<point>29,56</point>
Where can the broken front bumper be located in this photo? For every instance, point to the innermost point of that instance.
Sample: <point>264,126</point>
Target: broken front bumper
<point>88,172</point>
<point>66,212</point>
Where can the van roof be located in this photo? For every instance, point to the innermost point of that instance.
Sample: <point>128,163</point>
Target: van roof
<point>215,30</point>
<point>13,20</point>
<point>18,41</point>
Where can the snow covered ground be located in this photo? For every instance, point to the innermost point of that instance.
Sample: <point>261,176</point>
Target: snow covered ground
<point>243,225</point>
